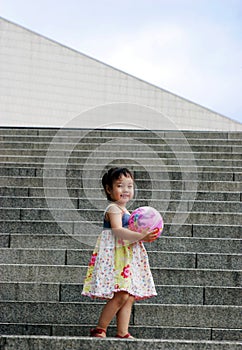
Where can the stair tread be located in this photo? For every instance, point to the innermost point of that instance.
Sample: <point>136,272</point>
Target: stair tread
<point>87,343</point>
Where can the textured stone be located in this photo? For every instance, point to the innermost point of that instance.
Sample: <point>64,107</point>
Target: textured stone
<point>205,218</point>
<point>29,292</point>
<point>53,192</point>
<point>23,202</point>
<point>238,177</point>
<point>140,332</point>
<point>75,274</point>
<point>144,314</point>
<point>32,256</point>
<point>223,296</point>
<point>9,214</point>
<point>42,273</point>
<point>185,316</point>
<point>49,312</point>
<point>196,244</point>
<point>196,277</point>
<point>54,241</point>
<point>4,240</point>
<point>221,261</point>
<point>17,171</point>
<point>217,231</point>
<point>36,227</point>
<point>156,258</point>
<point>58,343</point>
<point>13,191</point>
<point>166,294</point>
<point>227,334</point>
<point>24,181</point>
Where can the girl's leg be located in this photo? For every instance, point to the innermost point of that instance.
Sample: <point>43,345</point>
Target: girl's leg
<point>111,309</point>
<point>123,317</point>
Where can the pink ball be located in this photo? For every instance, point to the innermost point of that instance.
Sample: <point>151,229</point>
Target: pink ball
<point>144,217</point>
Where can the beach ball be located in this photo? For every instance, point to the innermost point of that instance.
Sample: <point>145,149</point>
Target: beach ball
<point>144,217</point>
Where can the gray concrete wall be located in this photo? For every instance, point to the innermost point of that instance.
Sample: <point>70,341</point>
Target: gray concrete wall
<point>43,83</point>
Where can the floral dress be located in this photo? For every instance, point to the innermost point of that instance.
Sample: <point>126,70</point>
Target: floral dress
<point>116,265</point>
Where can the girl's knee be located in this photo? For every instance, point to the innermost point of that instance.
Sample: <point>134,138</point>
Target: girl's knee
<point>121,297</point>
<point>131,299</point>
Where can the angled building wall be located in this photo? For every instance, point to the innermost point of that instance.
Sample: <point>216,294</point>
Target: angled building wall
<point>43,83</point>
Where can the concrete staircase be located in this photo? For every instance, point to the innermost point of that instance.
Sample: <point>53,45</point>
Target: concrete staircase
<point>51,212</point>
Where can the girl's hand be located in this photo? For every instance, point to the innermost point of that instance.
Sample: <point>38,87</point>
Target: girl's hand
<point>150,236</point>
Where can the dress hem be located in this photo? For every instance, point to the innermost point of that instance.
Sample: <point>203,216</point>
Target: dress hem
<point>110,296</point>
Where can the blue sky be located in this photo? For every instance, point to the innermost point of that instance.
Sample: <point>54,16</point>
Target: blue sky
<point>192,48</point>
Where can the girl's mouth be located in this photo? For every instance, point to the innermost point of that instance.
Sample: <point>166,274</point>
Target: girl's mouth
<point>124,196</point>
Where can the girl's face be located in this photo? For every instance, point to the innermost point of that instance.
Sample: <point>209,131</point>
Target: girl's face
<point>122,190</point>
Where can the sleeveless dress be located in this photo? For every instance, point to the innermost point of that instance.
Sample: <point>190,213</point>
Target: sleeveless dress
<point>117,265</point>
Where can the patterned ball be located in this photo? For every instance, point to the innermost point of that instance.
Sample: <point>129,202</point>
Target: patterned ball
<point>144,217</point>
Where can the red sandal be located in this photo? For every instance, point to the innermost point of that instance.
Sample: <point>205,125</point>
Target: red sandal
<point>126,336</point>
<point>98,333</point>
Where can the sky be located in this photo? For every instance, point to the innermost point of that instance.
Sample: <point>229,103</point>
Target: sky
<point>192,48</point>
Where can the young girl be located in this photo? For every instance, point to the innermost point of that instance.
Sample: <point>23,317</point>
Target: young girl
<point>119,268</point>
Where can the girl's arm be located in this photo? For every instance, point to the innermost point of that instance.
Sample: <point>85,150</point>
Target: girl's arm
<point>115,217</point>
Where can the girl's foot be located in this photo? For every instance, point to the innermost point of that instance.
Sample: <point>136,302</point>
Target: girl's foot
<point>126,336</point>
<point>98,332</point>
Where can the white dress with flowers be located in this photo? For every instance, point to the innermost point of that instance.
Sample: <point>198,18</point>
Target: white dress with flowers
<point>116,265</point>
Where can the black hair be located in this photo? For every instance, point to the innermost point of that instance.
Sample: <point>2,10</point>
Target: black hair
<point>112,175</point>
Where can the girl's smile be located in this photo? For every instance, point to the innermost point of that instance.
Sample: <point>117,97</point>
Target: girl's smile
<point>122,189</point>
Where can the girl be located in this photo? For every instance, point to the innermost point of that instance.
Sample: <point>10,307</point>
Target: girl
<point>119,268</point>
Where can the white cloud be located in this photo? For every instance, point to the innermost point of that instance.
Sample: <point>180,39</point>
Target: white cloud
<point>202,63</point>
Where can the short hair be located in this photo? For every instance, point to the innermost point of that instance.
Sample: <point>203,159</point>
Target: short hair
<point>114,174</point>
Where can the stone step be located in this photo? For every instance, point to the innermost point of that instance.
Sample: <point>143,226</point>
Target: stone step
<point>171,295</point>
<point>140,176</point>
<point>76,274</point>
<point>200,316</point>
<point>38,202</point>
<point>64,292</point>
<point>71,142</point>
<point>85,343</point>
<point>138,152</point>
<point>183,333</point>
<point>71,215</point>
<point>177,134</point>
<point>143,176</point>
<point>25,204</point>
<point>31,147</point>
<point>190,205</point>
<point>185,185</point>
<point>124,145</point>
<point>165,243</point>
<point>117,158</point>
<point>13,169</point>
<point>102,132</point>
<point>156,258</point>
<point>4,240</point>
<point>195,244</point>
<point>22,161</point>
<point>35,193</point>
<point>79,229</point>
<point>158,332</point>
